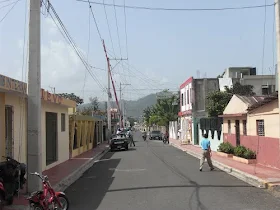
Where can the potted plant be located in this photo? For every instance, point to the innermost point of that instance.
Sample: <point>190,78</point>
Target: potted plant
<point>225,149</point>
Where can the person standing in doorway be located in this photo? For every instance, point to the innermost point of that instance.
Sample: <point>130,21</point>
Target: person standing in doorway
<point>206,152</point>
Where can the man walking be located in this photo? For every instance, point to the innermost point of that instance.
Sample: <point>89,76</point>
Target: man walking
<point>130,136</point>
<point>206,152</point>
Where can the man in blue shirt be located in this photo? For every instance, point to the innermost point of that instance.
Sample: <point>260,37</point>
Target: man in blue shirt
<point>206,152</point>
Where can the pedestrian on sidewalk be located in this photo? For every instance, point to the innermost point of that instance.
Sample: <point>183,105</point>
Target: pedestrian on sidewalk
<point>206,152</point>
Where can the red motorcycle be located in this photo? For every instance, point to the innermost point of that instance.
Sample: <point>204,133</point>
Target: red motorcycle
<point>2,195</point>
<point>47,199</point>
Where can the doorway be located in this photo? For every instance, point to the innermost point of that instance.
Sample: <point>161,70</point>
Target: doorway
<point>237,132</point>
<point>9,131</point>
<point>51,137</point>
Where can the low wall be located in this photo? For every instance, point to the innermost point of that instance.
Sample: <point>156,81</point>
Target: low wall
<point>215,141</point>
<point>267,149</point>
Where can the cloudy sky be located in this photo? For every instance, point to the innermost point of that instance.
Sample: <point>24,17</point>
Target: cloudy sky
<point>164,48</point>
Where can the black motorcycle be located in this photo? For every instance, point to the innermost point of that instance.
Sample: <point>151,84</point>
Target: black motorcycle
<point>12,178</point>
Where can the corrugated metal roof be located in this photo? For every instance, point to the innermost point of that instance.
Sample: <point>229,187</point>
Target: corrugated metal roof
<point>251,100</point>
<point>266,100</point>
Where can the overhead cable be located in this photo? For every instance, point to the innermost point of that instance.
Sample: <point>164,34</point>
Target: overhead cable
<point>181,9</point>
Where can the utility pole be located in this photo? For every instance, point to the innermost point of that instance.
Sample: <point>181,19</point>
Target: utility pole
<point>34,146</point>
<point>277,22</point>
<point>109,94</point>
<point>122,107</point>
<point>120,121</point>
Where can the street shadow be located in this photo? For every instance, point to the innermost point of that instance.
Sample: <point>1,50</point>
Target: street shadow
<point>179,186</point>
<point>89,190</point>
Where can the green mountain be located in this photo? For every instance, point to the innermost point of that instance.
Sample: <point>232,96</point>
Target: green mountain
<point>133,108</point>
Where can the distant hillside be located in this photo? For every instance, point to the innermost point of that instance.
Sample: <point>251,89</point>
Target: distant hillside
<point>133,108</point>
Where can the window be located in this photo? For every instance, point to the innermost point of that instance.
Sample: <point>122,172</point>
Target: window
<point>188,96</point>
<point>229,127</point>
<point>182,99</point>
<point>62,122</point>
<point>244,122</point>
<point>260,127</point>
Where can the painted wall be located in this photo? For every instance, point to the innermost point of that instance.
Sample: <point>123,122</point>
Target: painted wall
<point>173,129</point>
<point>215,142</point>
<point>235,106</point>
<point>20,125</point>
<point>267,147</point>
<point>270,114</point>
<point>20,129</point>
<point>62,137</point>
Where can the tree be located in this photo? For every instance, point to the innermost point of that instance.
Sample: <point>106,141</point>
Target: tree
<point>94,103</point>
<point>217,102</point>
<point>239,89</point>
<point>93,106</point>
<point>73,97</point>
<point>164,111</point>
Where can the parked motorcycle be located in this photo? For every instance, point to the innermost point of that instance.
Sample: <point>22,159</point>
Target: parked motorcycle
<point>47,199</point>
<point>11,179</point>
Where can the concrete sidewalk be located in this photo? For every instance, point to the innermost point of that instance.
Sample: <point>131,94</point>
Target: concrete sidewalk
<point>253,174</point>
<point>66,173</point>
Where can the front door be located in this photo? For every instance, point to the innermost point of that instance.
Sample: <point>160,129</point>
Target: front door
<point>9,131</point>
<point>237,132</point>
<point>51,137</point>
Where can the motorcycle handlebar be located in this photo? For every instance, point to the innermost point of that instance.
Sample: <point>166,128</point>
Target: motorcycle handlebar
<point>37,174</point>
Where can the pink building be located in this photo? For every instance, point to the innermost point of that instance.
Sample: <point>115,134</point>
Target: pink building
<point>254,123</point>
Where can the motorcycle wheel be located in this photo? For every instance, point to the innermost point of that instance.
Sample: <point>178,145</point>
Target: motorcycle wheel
<point>1,202</point>
<point>64,202</point>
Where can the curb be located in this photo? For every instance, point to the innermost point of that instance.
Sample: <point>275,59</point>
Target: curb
<point>70,179</point>
<point>248,178</point>
<point>75,175</point>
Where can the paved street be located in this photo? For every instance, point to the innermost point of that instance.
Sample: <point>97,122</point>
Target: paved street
<point>154,176</point>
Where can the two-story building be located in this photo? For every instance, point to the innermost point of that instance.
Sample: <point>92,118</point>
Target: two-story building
<point>193,103</point>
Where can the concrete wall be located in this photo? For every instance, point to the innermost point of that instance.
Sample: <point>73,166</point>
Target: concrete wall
<point>62,137</point>
<point>235,106</point>
<point>202,87</point>
<point>215,142</point>
<point>267,147</point>
<point>20,129</point>
<point>270,114</point>
<point>173,129</point>
<point>19,105</point>
<point>257,81</point>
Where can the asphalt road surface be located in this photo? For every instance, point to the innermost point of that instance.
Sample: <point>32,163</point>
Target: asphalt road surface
<point>153,176</point>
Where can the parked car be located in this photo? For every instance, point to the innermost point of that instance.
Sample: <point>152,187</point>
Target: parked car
<point>155,135</point>
<point>119,142</point>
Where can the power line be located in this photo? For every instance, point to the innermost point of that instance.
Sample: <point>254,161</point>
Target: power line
<point>9,10</point>
<point>69,39</point>
<point>95,23</point>
<point>88,48</point>
<point>109,29</point>
<point>181,9</point>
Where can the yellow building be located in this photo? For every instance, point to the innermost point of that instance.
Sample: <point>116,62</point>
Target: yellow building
<point>13,123</point>
<point>253,122</point>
